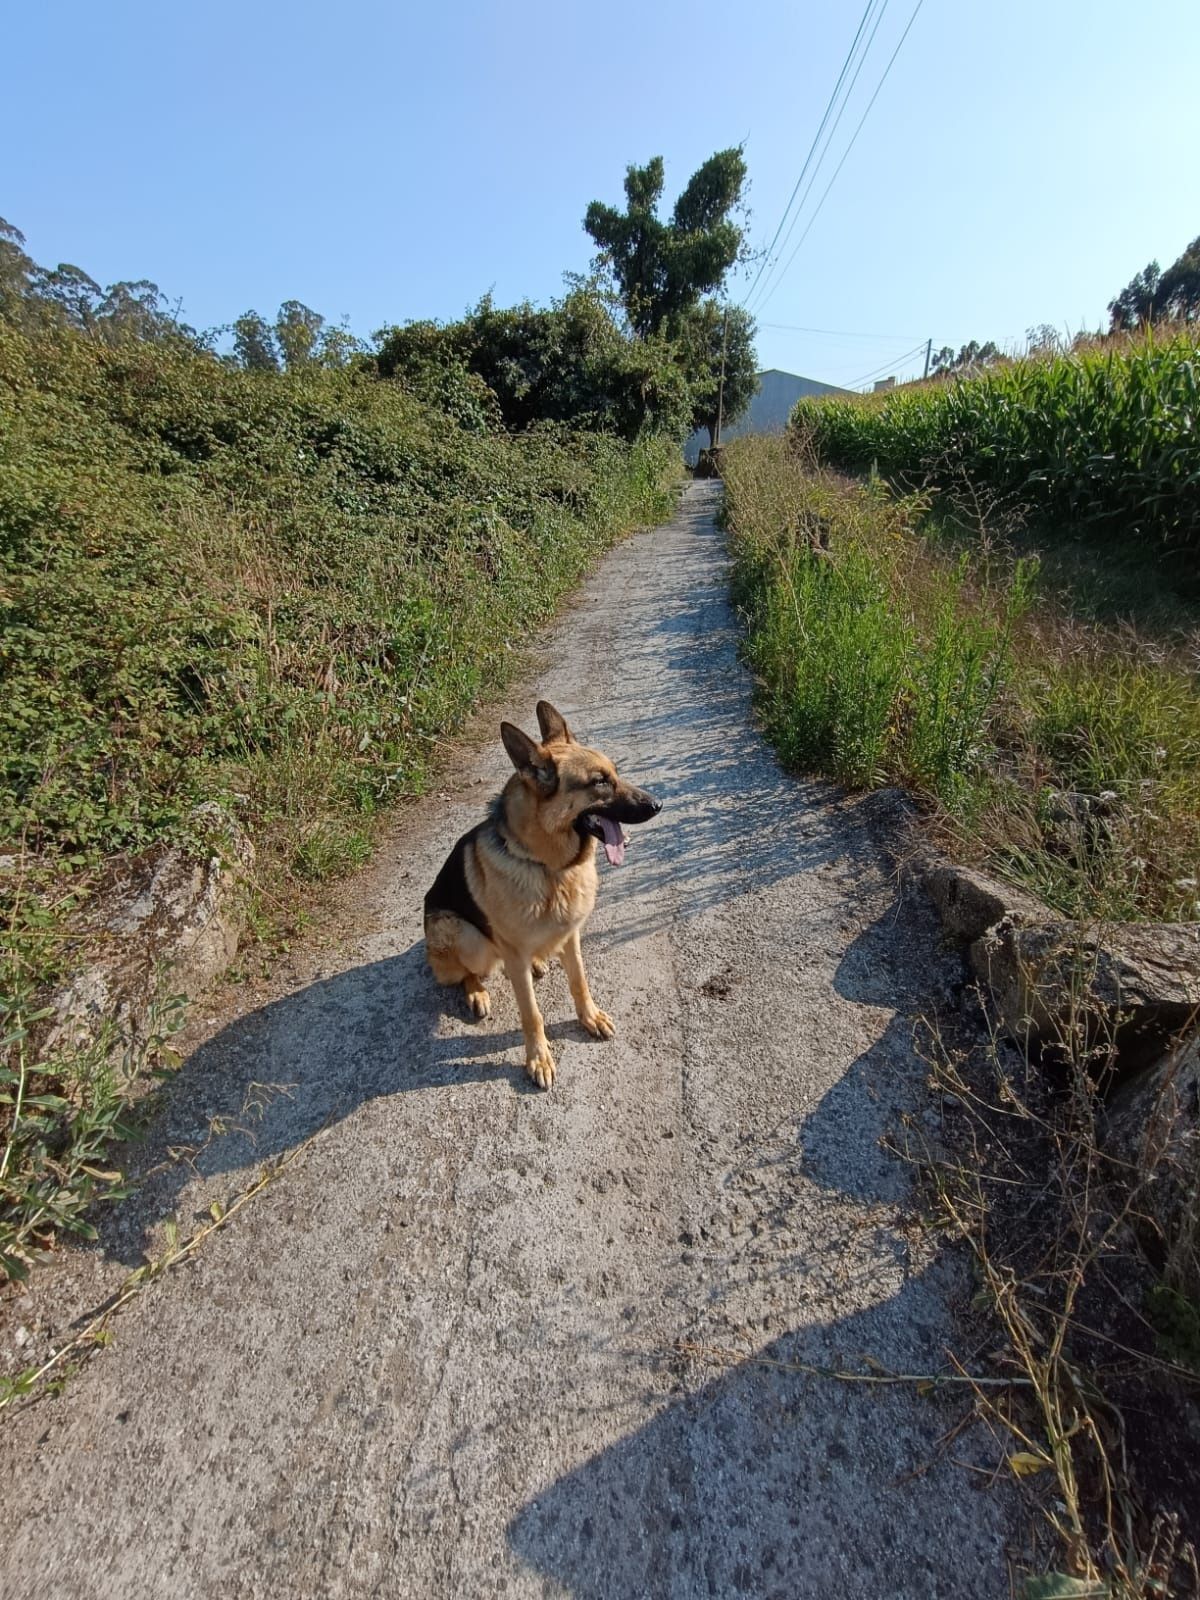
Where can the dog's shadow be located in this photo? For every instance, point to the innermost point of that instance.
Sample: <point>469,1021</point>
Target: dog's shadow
<point>270,1078</point>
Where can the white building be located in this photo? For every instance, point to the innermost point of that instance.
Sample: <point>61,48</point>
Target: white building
<point>768,412</point>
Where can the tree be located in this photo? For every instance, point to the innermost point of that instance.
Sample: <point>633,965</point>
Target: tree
<point>569,363</point>
<point>1153,294</point>
<point>1135,306</point>
<point>71,291</point>
<point>1179,289</point>
<point>254,344</point>
<point>704,335</point>
<point>970,357</point>
<point>16,273</point>
<point>1043,340</point>
<point>338,346</point>
<point>135,311</point>
<point>660,269</point>
<point>297,332</point>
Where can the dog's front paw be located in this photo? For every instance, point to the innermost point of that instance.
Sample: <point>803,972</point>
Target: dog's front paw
<point>598,1023</point>
<point>539,1064</point>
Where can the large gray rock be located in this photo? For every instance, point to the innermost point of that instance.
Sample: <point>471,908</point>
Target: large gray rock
<point>166,923</point>
<point>970,902</point>
<point>1152,1127</point>
<point>1124,990</point>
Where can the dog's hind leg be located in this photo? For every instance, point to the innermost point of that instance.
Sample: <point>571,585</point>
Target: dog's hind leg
<point>459,953</point>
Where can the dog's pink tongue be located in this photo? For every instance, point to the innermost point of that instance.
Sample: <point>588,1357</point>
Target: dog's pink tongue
<point>614,840</point>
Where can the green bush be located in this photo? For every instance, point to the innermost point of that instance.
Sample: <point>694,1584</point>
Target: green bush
<point>214,581</point>
<point>568,364</point>
<point>272,589</point>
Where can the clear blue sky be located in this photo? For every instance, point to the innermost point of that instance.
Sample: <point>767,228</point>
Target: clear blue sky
<point>381,161</point>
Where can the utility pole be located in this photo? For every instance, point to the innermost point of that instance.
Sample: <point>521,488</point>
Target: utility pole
<point>928,353</point>
<point>721,384</point>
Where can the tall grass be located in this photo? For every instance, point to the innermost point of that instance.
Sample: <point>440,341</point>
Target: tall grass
<point>1065,756</point>
<point>1103,437</point>
<point>853,683</point>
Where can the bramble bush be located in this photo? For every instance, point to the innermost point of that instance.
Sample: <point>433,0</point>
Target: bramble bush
<point>273,589</point>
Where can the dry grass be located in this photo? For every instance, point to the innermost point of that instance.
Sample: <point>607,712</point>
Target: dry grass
<point>1068,1258</point>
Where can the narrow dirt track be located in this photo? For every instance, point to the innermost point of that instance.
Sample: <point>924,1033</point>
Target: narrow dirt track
<point>435,1358</point>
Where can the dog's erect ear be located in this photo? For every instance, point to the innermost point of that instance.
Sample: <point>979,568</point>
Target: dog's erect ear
<point>521,748</point>
<point>529,758</point>
<point>552,723</point>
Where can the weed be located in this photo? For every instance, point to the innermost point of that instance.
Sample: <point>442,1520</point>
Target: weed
<point>64,1108</point>
<point>1054,1220</point>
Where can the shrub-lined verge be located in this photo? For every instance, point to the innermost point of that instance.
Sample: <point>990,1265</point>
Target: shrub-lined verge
<point>1062,754</point>
<point>273,590</point>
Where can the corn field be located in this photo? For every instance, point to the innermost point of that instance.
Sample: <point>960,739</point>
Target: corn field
<point>1105,436</point>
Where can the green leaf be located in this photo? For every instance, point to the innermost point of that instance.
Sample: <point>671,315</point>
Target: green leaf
<point>17,1269</point>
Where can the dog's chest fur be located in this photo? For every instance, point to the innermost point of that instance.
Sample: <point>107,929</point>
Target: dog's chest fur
<point>541,906</point>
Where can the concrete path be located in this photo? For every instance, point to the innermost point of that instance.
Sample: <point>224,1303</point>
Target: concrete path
<point>438,1356</point>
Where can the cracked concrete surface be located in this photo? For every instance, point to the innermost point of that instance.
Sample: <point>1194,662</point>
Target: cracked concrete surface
<point>437,1356</point>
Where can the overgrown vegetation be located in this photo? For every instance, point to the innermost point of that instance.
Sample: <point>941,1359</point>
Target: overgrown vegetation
<point>275,591</point>
<point>1064,755</point>
<point>568,363</point>
<point>1046,714</point>
<point>218,585</point>
<point>1103,437</point>
<point>273,578</point>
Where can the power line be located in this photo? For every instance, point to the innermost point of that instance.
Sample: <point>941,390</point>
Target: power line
<point>770,262</point>
<point>849,147</point>
<point>836,88</point>
<point>765,291</point>
<point>840,333</point>
<point>895,361</point>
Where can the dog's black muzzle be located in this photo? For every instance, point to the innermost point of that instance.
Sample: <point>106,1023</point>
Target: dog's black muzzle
<point>630,805</point>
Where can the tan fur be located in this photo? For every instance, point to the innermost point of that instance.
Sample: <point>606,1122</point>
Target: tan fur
<point>535,881</point>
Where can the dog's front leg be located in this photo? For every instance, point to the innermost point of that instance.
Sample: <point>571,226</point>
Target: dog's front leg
<point>596,1022</point>
<point>539,1063</point>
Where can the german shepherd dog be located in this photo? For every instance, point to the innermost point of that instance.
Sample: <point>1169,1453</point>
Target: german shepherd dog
<point>518,888</point>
